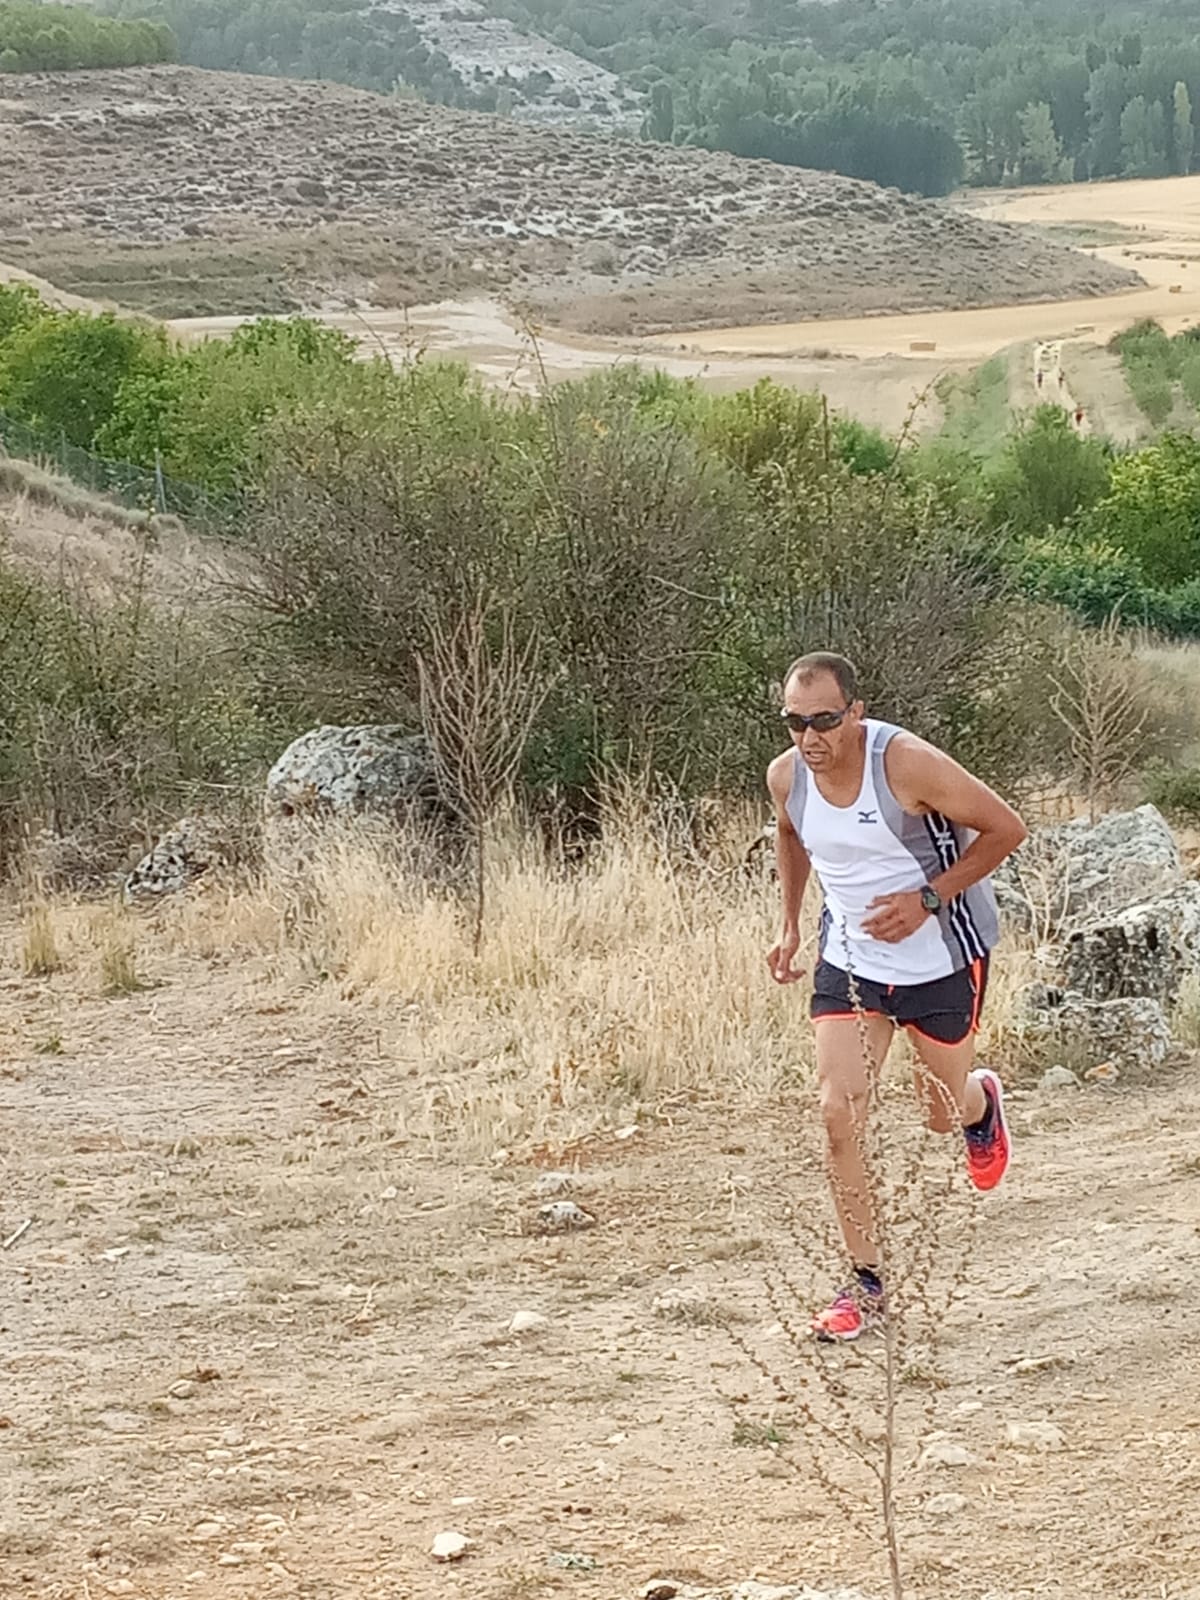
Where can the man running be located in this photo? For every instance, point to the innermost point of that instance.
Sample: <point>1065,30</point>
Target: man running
<point>903,841</point>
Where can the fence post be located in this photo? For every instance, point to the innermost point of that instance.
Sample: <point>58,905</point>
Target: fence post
<point>160,488</point>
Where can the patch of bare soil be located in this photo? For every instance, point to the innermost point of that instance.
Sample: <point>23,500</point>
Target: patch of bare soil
<point>183,191</point>
<point>256,1340</point>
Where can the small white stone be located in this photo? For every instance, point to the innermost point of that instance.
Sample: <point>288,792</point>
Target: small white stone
<point>945,1505</point>
<point>508,1441</point>
<point>1045,1436</point>
<point>450,1546</point>
<point>1059,1078</point>
<point>550,1184</point>
<point>527,1322</point>
<point>945,1453</point>
<point>563,1216</point>
<point>390,1192</point>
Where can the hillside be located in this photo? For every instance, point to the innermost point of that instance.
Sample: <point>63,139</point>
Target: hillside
<point>544,83</point>
<point>178,191</point>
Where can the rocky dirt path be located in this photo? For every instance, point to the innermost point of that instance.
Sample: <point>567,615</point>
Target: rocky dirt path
<point>257,1340</point>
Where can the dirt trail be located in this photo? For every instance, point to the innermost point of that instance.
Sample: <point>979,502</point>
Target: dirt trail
<point>254,1342</point>
<point>1049,386</point>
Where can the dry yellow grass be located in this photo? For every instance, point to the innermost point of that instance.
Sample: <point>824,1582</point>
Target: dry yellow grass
<point>601,994</point>
<point>40,956</point>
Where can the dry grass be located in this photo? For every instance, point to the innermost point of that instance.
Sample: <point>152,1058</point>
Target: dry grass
<point>600,995</point>
<point>40,957</point>
<point>117,950</point>
<point>43,488</point>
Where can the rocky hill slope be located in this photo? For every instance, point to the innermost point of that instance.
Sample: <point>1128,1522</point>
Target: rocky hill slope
<point>545,84</point>
<point>182,190</point>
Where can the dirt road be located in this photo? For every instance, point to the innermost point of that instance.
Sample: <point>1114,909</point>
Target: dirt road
<point>256,1339</point>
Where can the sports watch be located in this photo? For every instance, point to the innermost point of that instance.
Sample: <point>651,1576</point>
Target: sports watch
<point>931,900</point>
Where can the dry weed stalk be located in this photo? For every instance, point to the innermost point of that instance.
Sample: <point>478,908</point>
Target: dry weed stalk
<point>481,691</point>
<point>852,1400</point>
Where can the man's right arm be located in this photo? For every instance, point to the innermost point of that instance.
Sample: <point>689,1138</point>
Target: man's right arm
<point>794,868</point>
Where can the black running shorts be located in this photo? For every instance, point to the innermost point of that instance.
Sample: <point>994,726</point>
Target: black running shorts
<point>946,1010</point>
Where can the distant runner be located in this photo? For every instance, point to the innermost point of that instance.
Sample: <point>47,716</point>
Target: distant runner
<point>903,841</point>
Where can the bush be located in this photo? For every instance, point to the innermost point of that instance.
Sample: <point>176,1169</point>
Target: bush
<point>1175,791</point>
<point>1046,474</point>
<point>671,549</point>
<point>113,715</point>
<point>204,412</point>
<point>1152,511</point>
<point>61,372</point>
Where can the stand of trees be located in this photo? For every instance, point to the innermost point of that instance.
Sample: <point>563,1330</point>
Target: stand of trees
<point>1053,91</point>
<point>343,41</point>
<point>47,38</point>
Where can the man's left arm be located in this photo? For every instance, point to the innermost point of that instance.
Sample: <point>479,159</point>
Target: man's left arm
<point>925,779</point>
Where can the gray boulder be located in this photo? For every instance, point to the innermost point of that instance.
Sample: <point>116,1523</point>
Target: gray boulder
<point>184,854</point>
<point>1133,1035</point>
<point>379,774</point>
<point>1076,870</point>
<point>1146,949</point>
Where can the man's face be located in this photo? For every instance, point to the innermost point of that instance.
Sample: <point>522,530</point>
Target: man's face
<point>810,697</point>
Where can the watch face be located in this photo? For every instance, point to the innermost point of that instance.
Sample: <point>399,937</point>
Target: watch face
<point>931,900</point>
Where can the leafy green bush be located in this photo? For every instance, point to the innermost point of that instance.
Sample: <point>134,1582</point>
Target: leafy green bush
<point>1046,474</point>
<point>1152,511</point>
<point>62,371</point>
<point>204,411</point>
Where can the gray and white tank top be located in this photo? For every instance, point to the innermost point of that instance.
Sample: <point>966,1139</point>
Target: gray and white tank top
<point>875,847</point>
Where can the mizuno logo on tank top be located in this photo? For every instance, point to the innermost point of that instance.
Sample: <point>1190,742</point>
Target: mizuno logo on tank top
<point>875,847</point>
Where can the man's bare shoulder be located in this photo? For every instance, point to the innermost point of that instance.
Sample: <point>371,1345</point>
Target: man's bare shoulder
<point>909,762</point>
<point>780,774</point>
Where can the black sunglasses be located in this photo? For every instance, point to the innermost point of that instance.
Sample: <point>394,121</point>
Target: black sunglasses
<point>820,722</point>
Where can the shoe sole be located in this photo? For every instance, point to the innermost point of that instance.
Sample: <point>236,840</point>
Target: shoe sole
<point>986,1075</point>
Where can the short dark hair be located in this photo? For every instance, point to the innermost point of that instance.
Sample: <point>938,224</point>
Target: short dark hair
<point>819,662</point>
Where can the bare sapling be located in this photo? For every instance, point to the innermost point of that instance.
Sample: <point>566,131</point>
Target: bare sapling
<point>481,689</point>
<point>1099,693</point>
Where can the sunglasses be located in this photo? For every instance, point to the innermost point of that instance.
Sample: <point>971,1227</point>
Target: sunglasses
<point>820,722</point>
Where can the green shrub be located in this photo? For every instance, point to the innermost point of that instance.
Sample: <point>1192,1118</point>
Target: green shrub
<point>1046,473</point>
<point>61,372</point>
<point>1175,791</point>
<point>1152,511</point>
<point>205,412</point>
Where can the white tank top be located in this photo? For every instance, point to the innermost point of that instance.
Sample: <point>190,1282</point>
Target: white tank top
<point>874,847</point>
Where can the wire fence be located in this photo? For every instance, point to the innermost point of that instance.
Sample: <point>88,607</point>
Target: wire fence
<point>140,488</point>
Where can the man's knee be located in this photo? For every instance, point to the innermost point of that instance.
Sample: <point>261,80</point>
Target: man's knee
<point>842,1109</point>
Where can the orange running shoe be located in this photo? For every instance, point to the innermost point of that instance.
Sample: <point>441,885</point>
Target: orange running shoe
<point>851,1312</point>
<point>989,1148</point>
